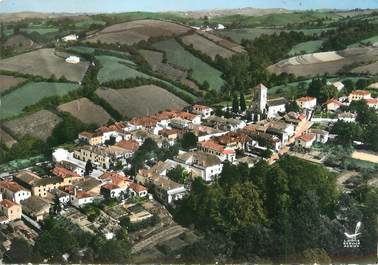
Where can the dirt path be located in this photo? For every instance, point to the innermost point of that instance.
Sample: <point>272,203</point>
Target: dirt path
<point>366,156</point>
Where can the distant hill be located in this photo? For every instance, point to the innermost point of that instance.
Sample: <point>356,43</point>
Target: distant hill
<point>248,11</point>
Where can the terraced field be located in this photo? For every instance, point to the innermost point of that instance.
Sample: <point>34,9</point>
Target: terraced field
<point>206,46</point>
<point>39,125</point>
<point>141,101</point>
<point>13,103</point>
<point>44,62</point>
<point>325,62</point>
<point>155,60</point>
<point>86,111</point>
<point>201,71</point>
<point>119,69</point>
<point>133,32</point>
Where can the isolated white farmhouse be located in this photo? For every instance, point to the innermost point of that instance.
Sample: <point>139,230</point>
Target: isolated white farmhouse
<point>71,37</point>
<point>73,59</point>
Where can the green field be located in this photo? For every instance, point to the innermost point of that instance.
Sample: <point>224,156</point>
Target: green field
<point>306,47</point>
<point>40,30</point>
<point>114,68</point>
<point>369,41</point>
<point>242,21</point>
<point>86,23</point>
<point>177,55</point>
<point>13,103</point>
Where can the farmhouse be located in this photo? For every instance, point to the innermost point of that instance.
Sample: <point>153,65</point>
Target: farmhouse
<point>71,37</point>
<point>200,164</point>
<point>138,190</point>
<point>13,191</point>
<point>306,140</point>
<point>90,138</point>
<point>202,110</point>
<point>110,190</point>
<point>211,147</point>
<point>372,103</point>
<point>67,175</point>
<point>333,104</point>
<point>115,179</point>
<point>276,106</point>
<point>36,208</point>
<point>9,211</point>
<point>73,59</point>
<point>359,95</point>
<point>306,102</point>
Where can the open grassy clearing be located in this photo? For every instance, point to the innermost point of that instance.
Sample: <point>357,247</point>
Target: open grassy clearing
<point>134,32</point>
<point>44,62</point>
<point>373,41</point>
<point>201,71</point>
<point>13,103</point>
<point>86,111</point>
<point>140,101</point>
<point>39,125</point>
<point>114,68</point>
<point>306,47</point>
<point>222,41</point>
<point>40,30</point>
<point>155,60</point>
<point>206,46</point>
<point>325,62</point>
<point>7,82</point>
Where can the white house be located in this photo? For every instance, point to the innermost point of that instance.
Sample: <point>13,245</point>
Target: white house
<point>73,59</point>
<point>372,103</point>
<point>138,190</point>
<point>322,136</point>
<point>220,27</point>
<point>306,102</point>
<point>275,106</point>
<point>81,198</point>
<point>359,95</point>
<point>71,37</point>
<point>202,110</point>
<point>110,190</point>
<point>13,191</point>
<point>338,85</point>
<point>306,140</point>
<point>200,164</point>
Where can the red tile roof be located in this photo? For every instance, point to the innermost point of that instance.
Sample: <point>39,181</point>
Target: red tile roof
<point>215,146</point>
<point>360,92</point>
<point>334,101</point>
<point>11,185</point>
<point>372,101</point>
<point>110,186</point>
<point>115,178</point>
<point>200,107</point>
<point>7,203</point>
<point>137,187</point>
<point>131,145</point>
<point>307,137</point>
<point>305,99</point>
<point>186,116</point>
<point>145,121</point>
<point>64,172</point>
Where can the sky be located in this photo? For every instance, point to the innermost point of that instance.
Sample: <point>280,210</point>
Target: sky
<point>103,6</point>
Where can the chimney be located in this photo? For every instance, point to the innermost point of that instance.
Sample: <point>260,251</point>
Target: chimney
<point>75,191</point>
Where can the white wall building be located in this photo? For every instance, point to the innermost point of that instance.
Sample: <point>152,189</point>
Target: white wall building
<point>73,59</point>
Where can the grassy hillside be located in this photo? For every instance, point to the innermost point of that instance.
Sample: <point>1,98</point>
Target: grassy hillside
<point>201,71</point>
<point>13,103</point>
<point>306,47</point>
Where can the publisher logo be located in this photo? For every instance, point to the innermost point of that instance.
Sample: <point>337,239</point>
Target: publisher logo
<point>352,240</point>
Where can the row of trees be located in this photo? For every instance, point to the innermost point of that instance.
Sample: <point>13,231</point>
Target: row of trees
<point>272,212</point>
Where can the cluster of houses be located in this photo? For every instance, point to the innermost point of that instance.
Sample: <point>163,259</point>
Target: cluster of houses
<point>109,150</point>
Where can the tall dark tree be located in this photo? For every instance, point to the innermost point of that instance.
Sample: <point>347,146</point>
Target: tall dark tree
<point>242,103</point>
<point>235,104</point>
<point>189,140</point>
<point>19,252</point>
<point>88,168</point>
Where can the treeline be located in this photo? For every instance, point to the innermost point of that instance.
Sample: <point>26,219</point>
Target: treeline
<point>275,212</point>
<point>365,129</point>
<point>348,32</point>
